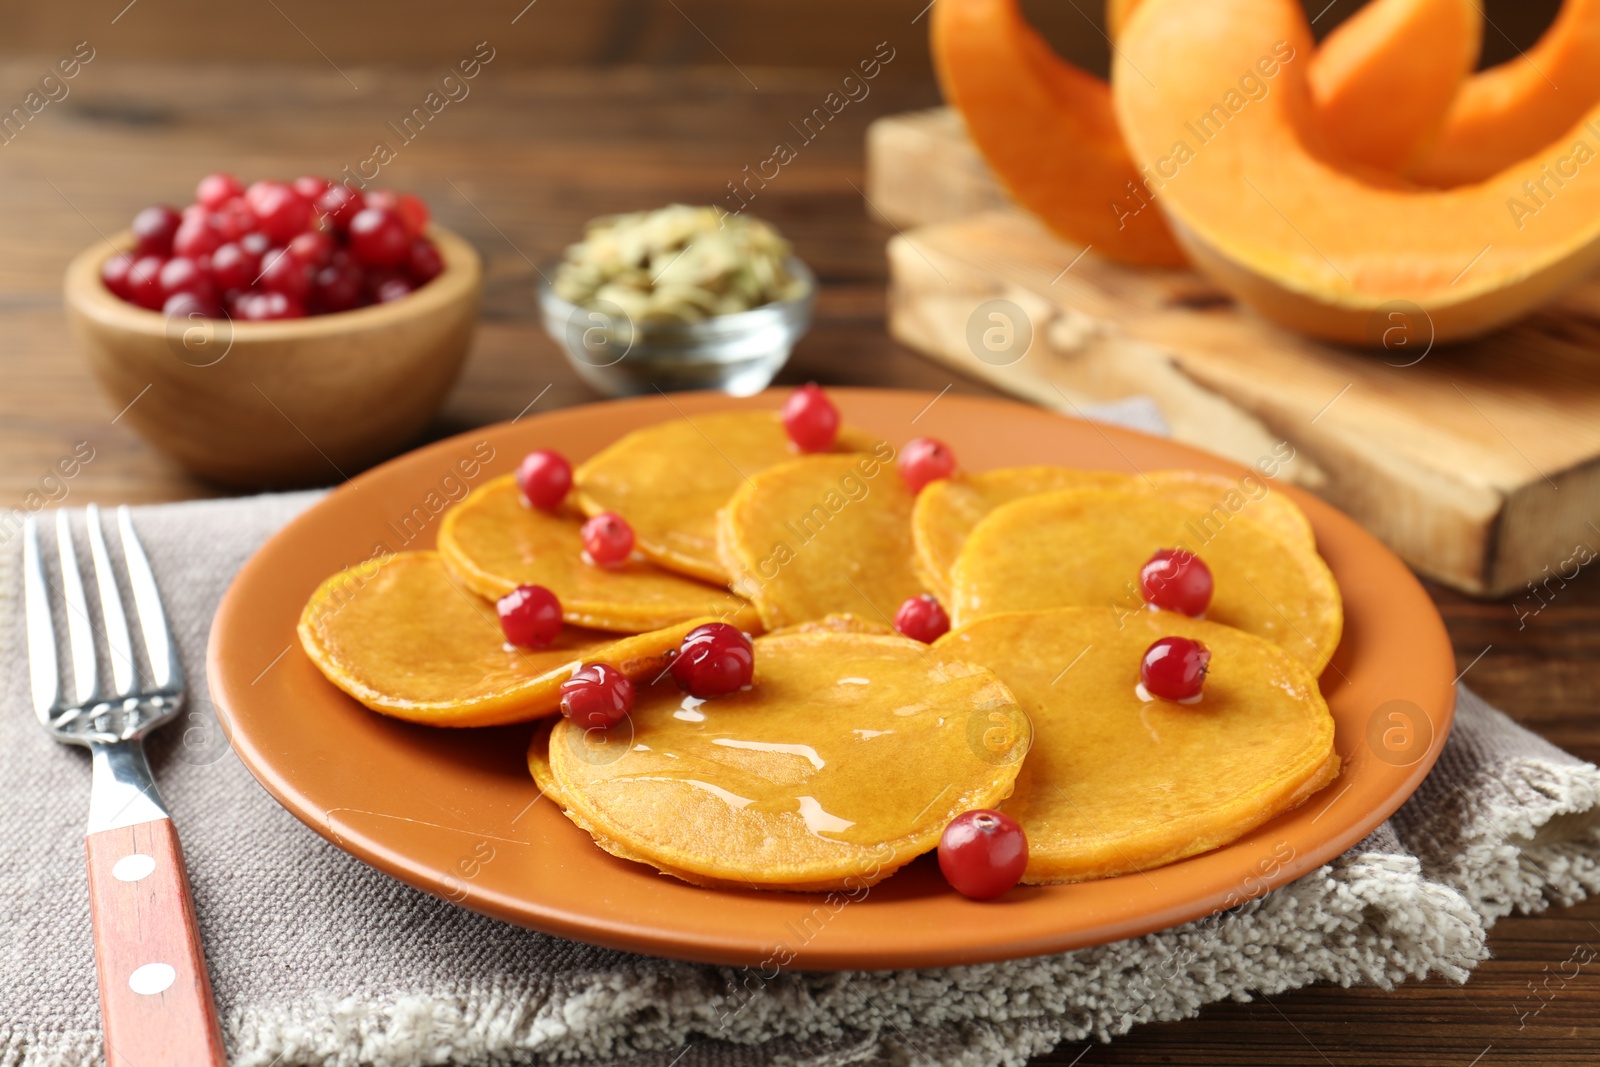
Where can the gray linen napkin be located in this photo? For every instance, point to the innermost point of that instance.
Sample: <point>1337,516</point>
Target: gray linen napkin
<point>318,959</point>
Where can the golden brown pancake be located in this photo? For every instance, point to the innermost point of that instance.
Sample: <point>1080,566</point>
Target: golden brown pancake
<point>947,511</point>
<point>1084,548</point>
<point>821,535</point>
<point>494,543</point>
<point>403,637</point>
<point>669,480</point>
<point>843,761</point>
<point>1116,784</point>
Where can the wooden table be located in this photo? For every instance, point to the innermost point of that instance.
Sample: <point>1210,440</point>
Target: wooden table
<point>517,167</point>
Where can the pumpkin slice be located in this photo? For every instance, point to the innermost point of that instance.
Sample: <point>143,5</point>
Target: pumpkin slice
<point>1312,247</point>
<point>403,637</point>
<point>1514,110</point>
<point>494,543</point>
<point>842,762</point>
<point>668,480</point>
<point>1383,81</point>
<point>1084,548</point>
<point>947,511</point>
<point>1049,132</point>
<point>1115,784</point>
<point>821,535</point>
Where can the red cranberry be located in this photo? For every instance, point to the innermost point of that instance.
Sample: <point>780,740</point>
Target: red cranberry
<point>1174,668</point>
<point>386,199</point>
<point>281,212</point>
<point>313,247</point>
<point>423,261</point>
<point>144,282</point>
<point>256,243</point>
<point>339,204</point>
<point>215,190</point>
<point>391,289</point>
<point>714,660</point>
<point>413,212</point>
<point>195,238</point>
<point>337,287</point>
<point>1176,580</point>
<point>597,696</point>
<point>282,273</point>
<point>608,539</point>
<point>183,275</point>
<point>114,274</point>
<point>190,305</point>
<point>154,227</point>
<point>544,477</point>
<point>811,419</point>
<point>530,616</point>
<point>922,619</point>
<point>232,220</point>
<point>983,853</point>
<point>234,268</point>
<point>259,306</point>
<point>925,460</point>
<point>310,187</point>
<point>378,238</point>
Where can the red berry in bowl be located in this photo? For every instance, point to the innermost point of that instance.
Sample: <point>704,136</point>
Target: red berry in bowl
<point>233,219</point>
<point>544,477</point>
<point>337,287</point>
<point>530,616</point>
<point>282,273</point>
<point>597,696</point>
<point>811,419</point>
<point>339,204</point>
<point>378,238</point>
<point>314,247</point>
<point>217,189</point>
<point>607,539</point>
<point>234,268</point>
<point>190,305</point>
<point>184,275</point>
<point>256,243</point>
<point>154,227</point>
<point>258,306</point>
<point>386,199</point>
<point>310,187</point>
<point>391,289</point>
<point>983,853</point>
<point>114,274</point>
<point>413,213</point>
<point>714,660</point>
<point>423,262</point>
<point>925,460</point>
<point>280,211</point>
<point>144,282</point>
<point>922,619</point>
<point>1175,580</point>
<point>195,238</point>
<point>1174,668</point>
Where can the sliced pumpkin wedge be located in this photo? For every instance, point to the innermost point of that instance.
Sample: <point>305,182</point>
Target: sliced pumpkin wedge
<point>1307,244</point>
<point>403,637</point>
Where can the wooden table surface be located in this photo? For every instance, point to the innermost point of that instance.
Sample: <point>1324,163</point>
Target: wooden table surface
<point>517,167</point>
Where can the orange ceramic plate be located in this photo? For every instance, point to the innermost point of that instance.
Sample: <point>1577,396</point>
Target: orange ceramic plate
<point>455,812</point>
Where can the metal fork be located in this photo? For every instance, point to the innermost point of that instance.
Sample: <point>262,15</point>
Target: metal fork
<point>155,995</point>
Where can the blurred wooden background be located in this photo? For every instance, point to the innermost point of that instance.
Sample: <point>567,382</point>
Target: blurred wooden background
<point>763,33</point>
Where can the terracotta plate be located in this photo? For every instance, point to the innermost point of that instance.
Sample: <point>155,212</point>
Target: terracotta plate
<point>455,813</point>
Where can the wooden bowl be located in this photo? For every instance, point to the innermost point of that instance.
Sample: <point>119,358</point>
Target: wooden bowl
<point>278,404</point>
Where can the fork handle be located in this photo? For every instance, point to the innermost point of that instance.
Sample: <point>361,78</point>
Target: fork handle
<point>155,996</point>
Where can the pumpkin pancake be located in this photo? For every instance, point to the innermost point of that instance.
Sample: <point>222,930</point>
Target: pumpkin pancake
<point>403,637</point>
<point>1084,548</point>
<point>494,543</point>
<point>539,761</point>
<point>818,536</point>
<point>842,762</point>
<point>947,511</point>
<point>1115,784</point>
<point>668,480</point>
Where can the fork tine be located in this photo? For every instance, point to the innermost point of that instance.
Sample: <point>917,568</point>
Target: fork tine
<point>111,614</point>
<point>43,671</point>
<point>158,643</point>
<point>80,634</point>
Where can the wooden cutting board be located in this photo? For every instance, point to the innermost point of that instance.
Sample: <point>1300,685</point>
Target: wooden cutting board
<point>1475,462</point>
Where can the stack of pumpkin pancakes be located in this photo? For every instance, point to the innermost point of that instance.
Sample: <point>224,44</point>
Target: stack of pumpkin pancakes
<point>854,746</point>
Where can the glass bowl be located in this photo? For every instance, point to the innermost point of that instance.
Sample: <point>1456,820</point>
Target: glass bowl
<point>739,354</point>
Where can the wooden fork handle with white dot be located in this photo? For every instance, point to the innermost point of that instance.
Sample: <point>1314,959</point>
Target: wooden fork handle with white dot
<point>155,997</point>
